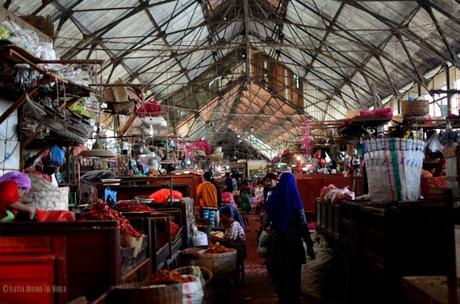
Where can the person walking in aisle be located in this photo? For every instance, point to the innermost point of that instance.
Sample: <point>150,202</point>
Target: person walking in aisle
<point>207,199</point>
<point>287,226</point>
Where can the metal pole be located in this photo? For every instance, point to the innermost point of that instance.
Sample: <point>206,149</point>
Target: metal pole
<point>449,95</point>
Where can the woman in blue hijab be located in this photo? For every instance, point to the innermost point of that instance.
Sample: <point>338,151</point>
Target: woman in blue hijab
<point>287,227</point>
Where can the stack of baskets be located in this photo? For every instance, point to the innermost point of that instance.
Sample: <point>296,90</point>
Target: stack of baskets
<point>419,107</point>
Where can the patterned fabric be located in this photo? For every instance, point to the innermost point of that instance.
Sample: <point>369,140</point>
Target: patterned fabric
<point>210,214</point>
<point>287,247</point>
<point>234,232</point>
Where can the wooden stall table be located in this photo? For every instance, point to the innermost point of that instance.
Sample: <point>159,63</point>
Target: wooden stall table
<point>132,186</point>
<point>90,261</point>
<point>379,244</point>
<point>426,289</point>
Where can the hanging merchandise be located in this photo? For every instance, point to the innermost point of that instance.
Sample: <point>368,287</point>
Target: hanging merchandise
<point>156,121</point>
<point>110,197</point>
<point>56,156</point>
<point>306,137</point>
<point>150,108</point>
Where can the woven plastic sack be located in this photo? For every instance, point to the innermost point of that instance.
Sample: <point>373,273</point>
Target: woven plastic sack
<point>192,292</point>
<point>394,167</point>
<point>316,274</point>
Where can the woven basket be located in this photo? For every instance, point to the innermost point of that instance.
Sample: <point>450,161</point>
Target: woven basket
<point>138,293</point>
<point>207,274</point>
<point>219,263</point>
<point>415,108</point>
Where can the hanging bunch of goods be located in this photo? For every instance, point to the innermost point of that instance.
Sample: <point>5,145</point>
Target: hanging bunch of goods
<point>306,137</point>
<point>121,98</point>
<point>149,120</point>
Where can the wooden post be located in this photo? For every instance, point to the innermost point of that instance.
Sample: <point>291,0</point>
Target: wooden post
<point>19,102</point>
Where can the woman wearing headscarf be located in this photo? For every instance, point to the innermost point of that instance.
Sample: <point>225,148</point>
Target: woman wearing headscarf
<point>12,186</point>
<point>287,227</point>
<point>234,235</point>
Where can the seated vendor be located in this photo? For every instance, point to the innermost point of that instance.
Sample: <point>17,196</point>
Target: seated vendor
<point>233,224</point>
<point>12,186</point>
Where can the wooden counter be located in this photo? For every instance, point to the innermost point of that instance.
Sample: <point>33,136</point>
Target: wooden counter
<point>426,289</point>
<point>86,256</point>
<point>380,244</point>
<point>131,186</point>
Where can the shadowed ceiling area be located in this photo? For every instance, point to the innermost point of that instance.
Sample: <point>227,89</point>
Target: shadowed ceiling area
<point>258,68</point>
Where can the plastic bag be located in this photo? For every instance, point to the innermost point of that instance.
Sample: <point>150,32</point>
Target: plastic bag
<point>4,33</point>
<point>433,144</point>
<point>57,156</point>
<point>162,195</point>
<point>55,216</point>
<point>110,197</point>
<point>262,243</point>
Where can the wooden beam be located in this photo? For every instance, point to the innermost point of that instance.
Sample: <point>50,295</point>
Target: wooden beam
<point>127,125</point>
<point>18,103</point>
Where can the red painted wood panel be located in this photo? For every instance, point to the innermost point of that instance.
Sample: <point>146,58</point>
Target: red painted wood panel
<point>310,187</point>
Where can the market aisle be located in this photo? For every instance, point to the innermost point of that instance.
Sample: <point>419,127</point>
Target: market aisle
<point>258,288</point>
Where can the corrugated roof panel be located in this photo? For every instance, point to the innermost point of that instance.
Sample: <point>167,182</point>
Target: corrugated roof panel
<point>196,71</point>
<point>395,11</point>
<point>353,18</point>
<point>92,20</point>
<point>190,17</point>
<point>67,3</point>
<point>298,13</point>
<point>135,27</point>
<point>69,36</point>
<point>118,73</point>
<point>49,10</point>
<point>162,13</point>
<point>23,8</point>
<point>262,30</point>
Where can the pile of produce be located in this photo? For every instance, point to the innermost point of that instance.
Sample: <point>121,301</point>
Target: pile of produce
<point>165,276</point>
<point>102,212</point>
<point>129,206</point>
<point>438,182</point>
<point>174,229</point>
<point>335,195</point>
<point>216,248</point>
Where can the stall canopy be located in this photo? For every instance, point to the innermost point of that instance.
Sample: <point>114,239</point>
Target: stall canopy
<point>258,67</point>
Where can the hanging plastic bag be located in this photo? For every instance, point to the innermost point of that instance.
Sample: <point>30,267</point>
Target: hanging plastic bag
<point>57,156</point>
<point>433,144</point>
<point>110,197</point>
